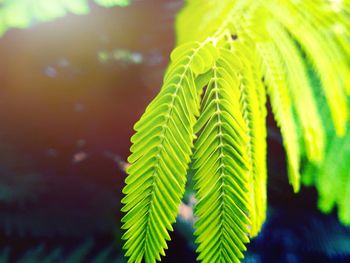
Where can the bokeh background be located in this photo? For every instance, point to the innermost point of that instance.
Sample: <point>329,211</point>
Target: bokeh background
<point>70,91</point>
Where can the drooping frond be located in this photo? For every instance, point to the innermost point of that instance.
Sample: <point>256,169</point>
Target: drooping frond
<point>301,92</point>
<point>325,55</point>
<point>160,155</point>
<point>331,29</point>
<point>277,88</point>
<point>252,102</point>
<point>222,168</point>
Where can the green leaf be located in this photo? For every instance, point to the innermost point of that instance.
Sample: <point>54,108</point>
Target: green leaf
<point>326,57</point>
<point>278,91</point>
<point>301,93</point>
<point>160,155</point>
<point>222,169</point>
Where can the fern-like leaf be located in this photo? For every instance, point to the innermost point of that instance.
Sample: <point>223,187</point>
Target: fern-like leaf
<point>301,92</point>
<point>252,101</point>
<point>222,168</point>
<point>322,53</point>
<point>160,155</point>
<point>274,77</point>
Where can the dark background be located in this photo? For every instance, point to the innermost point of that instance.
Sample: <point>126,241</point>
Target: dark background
<point>67,108</point>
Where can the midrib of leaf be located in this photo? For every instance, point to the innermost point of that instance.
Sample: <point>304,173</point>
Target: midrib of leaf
<point>160,146</point>
<point>220,176</point>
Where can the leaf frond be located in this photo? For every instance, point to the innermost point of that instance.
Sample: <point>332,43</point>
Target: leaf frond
<point>160,155</point>
<point>278,91</point>
<point>222,168</point>
<point>301,92</point>
<point>323,54</point>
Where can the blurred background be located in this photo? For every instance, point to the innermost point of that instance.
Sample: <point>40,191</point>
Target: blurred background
<point>70,91</point>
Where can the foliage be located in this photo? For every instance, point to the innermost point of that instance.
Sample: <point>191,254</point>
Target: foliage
<point>23,13</point>
<point>211,112</point>
<point>332,178</point>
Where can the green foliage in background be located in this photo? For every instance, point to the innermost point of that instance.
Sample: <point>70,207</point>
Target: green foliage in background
<point>23,13</point>
<point>211,113</point>
<point>332,176</point>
